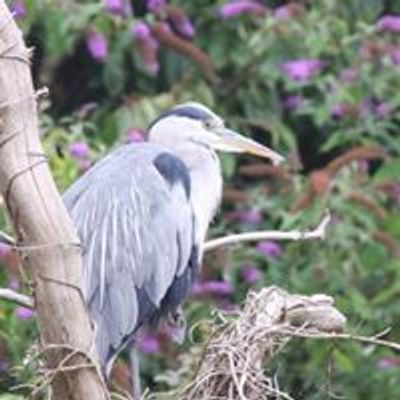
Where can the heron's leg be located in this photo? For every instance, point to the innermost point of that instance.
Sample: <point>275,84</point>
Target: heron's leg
<point>135,373</point>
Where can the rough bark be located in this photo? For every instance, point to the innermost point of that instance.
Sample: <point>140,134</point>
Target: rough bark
<point>45,232</point>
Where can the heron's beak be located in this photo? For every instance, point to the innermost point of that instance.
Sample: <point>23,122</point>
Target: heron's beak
<point>233,142</point>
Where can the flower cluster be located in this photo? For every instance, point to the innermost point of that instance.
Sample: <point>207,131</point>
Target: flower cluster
<point>80,152</point>
<point>23,313</point>
<point>250,274</point>
<point>135,136</point>
<point>147,45</point>
<point>147,343</point>
<point>389,23</point>
<point>180,23</point>
<point>212,289</point>
<point>118,7</point>
<point>97,45</point>
<point>303,69</point>
<point>240,7</point>
<point>18,9</point>
<point>292,102</point>
<point>269,248</point>
<point>155,5</point>
<point>287,11</point>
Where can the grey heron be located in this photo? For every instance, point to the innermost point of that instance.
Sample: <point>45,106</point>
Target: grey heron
<point>142,215</point>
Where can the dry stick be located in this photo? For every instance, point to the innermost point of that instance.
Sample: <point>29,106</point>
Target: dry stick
<point>39,217</point>
<point>348,336</point>
<point>318,233</point>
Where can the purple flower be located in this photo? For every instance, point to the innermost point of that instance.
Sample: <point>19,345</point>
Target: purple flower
<point>212,288</point>
<point>363,166</point>
<point>338,110</point>
<point>239,7</point>
<point>395,55</point>
<point>383,110</point>
<point>250,273</point>
<point>269,248</point>
<point>395,192</point>
<point>182,25</point>
<point>287,11</point>
<point>118,7</point>
<point>97,45</point>
<point>5,250</point>
<point>392,190</point>
<point>13,284</point>
<point>389,23</point>
<point>301,70</point>
<point>155,5</point>
<point>147,343</point>
<point>388,362</point>
<point>135,136</point>
<point>348,75</point>
<point>4,365</point>
<point>251,217</point>
<point>282,13</point>
<point>23,313</point>
<point>292,102</point>
<point>186,28</point>
<point>18,9</point>
<point>79,150</point>
<point>147,46</point>
<point>140,31</point>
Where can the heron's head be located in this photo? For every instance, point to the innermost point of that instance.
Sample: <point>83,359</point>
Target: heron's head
<point>196,123</point>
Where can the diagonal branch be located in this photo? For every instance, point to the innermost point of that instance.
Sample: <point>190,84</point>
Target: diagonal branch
<point>317,233</point>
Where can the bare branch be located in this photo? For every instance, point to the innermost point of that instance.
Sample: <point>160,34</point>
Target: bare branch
<point>15,297</point>
<point>347,336</point>
<point>317,233</point>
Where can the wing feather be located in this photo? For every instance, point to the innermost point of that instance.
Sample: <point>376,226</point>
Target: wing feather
<point>137,232</point>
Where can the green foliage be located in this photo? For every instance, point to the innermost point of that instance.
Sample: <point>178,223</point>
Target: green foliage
<point>351,100</point>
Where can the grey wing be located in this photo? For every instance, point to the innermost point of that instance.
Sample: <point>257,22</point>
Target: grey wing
<point>136,226</point>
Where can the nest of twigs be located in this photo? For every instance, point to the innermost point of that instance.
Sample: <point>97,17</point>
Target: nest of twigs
<point>233,365</point>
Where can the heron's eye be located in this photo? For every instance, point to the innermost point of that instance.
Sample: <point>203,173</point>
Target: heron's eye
<point>208,124</point>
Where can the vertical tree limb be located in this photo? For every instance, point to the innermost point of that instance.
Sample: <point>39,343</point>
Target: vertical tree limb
<point>52,254</point>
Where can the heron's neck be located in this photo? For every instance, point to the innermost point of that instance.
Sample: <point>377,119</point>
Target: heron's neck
<point>206,182</point>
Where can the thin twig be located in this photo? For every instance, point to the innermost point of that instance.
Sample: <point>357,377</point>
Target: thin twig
<point>42,92</point>
<point>6,238</point>
<point>15,297</point>
<point>347,336</point>
<point>317,233</point>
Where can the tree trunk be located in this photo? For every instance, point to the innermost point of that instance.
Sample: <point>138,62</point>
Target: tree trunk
<point>49,244</point>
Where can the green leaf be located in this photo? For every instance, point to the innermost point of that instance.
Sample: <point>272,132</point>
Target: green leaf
<point>389,171</point>
<point>344,361</point>
<point>228,162</point>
